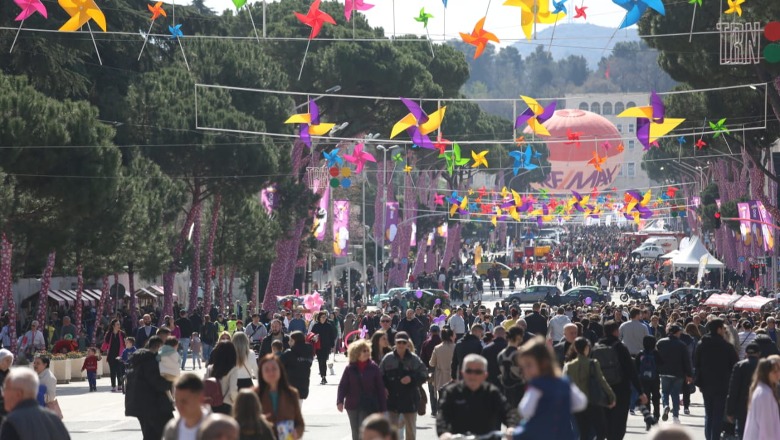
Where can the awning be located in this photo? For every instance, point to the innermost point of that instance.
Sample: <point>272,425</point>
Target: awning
<point>63,297</point>
<point>752,303</point>
<point>722,300</point>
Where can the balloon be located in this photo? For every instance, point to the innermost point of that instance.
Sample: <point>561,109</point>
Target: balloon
<point>447,312</point>
<point>588,300</point>
<point>418,294</point>
<point>437,302</point>
<point>363,332</point>
<point>439,320</point>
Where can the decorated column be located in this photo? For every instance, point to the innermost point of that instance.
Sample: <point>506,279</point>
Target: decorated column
<point>195,272</point>
<point>207,294</point>
<point>79,296</point>
<point>5,284</point>
<point>104,294</point>
<point>44,293</point>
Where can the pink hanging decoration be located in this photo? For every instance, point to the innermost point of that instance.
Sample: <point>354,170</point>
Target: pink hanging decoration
<point>170,275</point>
<point>195,272</point>
<point>220,295</point>
<point>230,287</point>
<point>43,296</point>
<point>104,294</point>
<point>255,292</point>
<point>79,295</point>
<point>5,288</point>
<point>207,293</point>
<point>133,298</point>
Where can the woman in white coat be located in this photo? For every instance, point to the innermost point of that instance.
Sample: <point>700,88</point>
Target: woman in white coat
<point>441,359</point>
<point>763,418</point>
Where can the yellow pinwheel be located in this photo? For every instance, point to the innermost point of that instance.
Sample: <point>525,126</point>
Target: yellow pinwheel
<point>81,11</point>
<point>479,158</point>
<point>535,115</point>
<point>543,14</point>
<point>460,208</point>
<point>418,124</point>
<point>310,123</point>
<point>735,7</point>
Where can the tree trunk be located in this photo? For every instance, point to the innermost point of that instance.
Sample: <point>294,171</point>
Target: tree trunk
<point>79,295</point>
<point>6,291</point>
<point>43,296</point>
<point>255,292</point>
<point>207,294</point>
<point>452,248</point>
<point>104,294</point>
<point>401,245</point>
<point>195,272</point>
<point>230,287</point>
<point>170,275</point>
<point>280,280</point>
<point>220,292</point>
<point>133,298</point>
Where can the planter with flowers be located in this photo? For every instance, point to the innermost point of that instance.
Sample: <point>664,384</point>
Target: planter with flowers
<point>76,360</point>
<point>60,368</point>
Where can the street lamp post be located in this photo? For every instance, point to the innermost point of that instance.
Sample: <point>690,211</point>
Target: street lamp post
<point>384,150</point>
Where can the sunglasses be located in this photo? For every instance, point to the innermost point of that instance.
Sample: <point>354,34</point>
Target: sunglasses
<point>385,320</point>
<point>400,342</point>
<point>470,371</point>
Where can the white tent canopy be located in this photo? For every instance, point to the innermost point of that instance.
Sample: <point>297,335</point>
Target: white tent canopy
<point>690,256</point>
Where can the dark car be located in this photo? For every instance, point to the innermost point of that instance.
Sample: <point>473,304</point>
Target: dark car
<point>578,294</point>
<point>532,294</point>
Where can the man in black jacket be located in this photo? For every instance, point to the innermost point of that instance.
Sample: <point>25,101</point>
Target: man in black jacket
<point>562,346</point>
<point>512,382</point>
<point>413,327</point>
<point>146,392</point>
<point>469,344</point>
<point>739,387</point>
<point>537,324</point>
<point>713,361</point>
<point>275,334</point>
<point>473,405</point>
<point>27,419</point>
<point>208,337</point>
<point>185,327</point>
<point>617,416</point>
<point>491,354</point>
<point>674,370</point>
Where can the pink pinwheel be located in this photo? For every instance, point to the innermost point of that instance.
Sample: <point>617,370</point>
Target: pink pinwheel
<point>359,157</point>
<point>438,199</point>
<point>355,5</point>
<point>363,332</point>
<point>30,7</point>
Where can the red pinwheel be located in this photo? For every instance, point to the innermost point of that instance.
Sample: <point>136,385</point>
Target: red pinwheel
<point>700,144</point>
<point>314,19</point>
<point>671,191</point>
<point>574,137</point>
<point>581,12</point>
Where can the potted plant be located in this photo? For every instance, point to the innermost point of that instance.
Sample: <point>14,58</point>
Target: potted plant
<point>60,368</point>
<point>76,360</point>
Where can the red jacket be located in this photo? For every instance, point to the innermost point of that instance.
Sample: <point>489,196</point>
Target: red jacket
<point>90,363</point>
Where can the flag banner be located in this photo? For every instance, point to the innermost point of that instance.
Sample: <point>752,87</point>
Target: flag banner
<point>340,227</point>
<point>391,221</point>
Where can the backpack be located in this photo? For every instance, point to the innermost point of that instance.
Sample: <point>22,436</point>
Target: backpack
<point>647,367</point>
<point>212,390</point>
<point>609,361</point>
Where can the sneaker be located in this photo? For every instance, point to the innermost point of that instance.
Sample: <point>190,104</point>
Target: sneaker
<point>676,420</point>
<point>632,412</point>
<point>113,390</point>
<point>687,411</point>
<point>665,417</point>
<point>323,381</point>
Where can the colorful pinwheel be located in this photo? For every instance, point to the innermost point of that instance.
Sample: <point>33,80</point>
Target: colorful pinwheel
<point>398,158</point>
<point>651,121</point>
<point>240,3</point>
<point>559,7</point>
<point>479,158</point>
<point>454,159</point>
<point>333,158</point>
<point>735,7</point>
<point>315,19</point>
<point>461,207</point>
<point>408,169</point>
<point>635,9</point>
<point>534,11</point>
<point>573,137</point>
<point>694,2</point>
<point>355,5</point>
<point>359,157</point>
<point>29,7</point>
<point>310,123</point>
<point>423,18</point>
<point>535,115</point>
<point>177,34</point>
<point>81,12</point>
<point>681,140</point>
<point>719,127</point>
<point>700,144</point>
<point>479,37</point>
<point>438,199</point>
<point>418,124</point>
<point>523,159</point>
<point>597,161</point>
<point>156,10</point>
<point>580,12</point>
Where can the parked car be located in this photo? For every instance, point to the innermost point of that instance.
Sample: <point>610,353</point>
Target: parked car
<point>578,294</point>
<point>532,294</point>
<point>648,251</point>
<point>387,296</point>
<point>679,294</point>
<point>482,269</point>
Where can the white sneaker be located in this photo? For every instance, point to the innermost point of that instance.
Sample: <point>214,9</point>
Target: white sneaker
<point>676,420</point>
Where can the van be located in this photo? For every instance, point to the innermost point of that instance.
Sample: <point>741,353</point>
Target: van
<point>668,244</point>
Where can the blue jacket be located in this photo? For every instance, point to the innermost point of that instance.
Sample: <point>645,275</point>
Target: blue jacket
<point>552,419</point>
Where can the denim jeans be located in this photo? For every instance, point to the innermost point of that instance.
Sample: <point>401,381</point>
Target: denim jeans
<point>671,385</point>
<point>184,346</point>
<point>207,352</point>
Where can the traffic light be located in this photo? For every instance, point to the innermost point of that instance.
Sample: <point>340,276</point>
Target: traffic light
<point>716,219</point>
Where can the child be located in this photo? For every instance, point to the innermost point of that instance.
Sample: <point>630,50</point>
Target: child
<point>91,364</point>
<point>130,348</point>
<point>170,361</point>
<point>546,394</point>
<point>195,347</point>
<point>647,363</point>
<point>277,347</point>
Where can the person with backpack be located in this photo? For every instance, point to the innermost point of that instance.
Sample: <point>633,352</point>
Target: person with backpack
<point>619,371</point>
<point>675,371</point>
<point>586,374</point>
<point>647,363</point>
<point>713,360</point>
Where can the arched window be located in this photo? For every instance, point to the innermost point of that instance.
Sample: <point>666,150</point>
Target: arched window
<point>630,104</point>
<point>595,108</point>
<point>619,108</point>
<point>606,109</point>
<point>584,106</point>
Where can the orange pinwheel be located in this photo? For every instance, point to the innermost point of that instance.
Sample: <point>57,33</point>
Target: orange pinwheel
<point>620,148</point>
<point>597,161</point>
<point>157,10</point>
<point>479,37</point>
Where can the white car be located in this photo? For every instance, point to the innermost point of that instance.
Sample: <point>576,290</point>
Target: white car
<point>678,294</point>
<point>648,251</point>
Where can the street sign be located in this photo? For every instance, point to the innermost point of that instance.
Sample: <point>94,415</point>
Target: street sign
<point>741,259</point>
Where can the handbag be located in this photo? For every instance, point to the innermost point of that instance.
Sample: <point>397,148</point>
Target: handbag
<point>368,402</point>
<point>105,346</point>
<point>596,394</point>
<point>423,402</point>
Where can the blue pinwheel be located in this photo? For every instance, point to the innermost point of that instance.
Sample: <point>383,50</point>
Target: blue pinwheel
<point>560,6</point>
<point>635,9</point>
<point>333,158</point>
<point>175,31</point>
<point>681,140</point>
<point>523,159</point>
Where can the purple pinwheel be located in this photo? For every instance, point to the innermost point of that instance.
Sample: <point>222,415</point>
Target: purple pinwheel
<point>310,123</point>
<point>418,124</point>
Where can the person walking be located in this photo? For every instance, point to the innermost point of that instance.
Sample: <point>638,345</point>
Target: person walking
<point>674,369</point>
<point>583,371</point>
<point>511,378</point>
<point>557,323</point>
<point>361,388</point>
<point>146,396</point>
<point>324,340</point>
<point>469,344</point>
<point>26,420</point>
<point>763,417</point>
<point>115,342</point>
<point>536,323</point>
<point>185,329</point>
<point>208,337</point>
<point>440,364</point>
<point>745,337</point>
<point>188,395</point>
<point>248,412</point>
<point>246,361</point>
<point>48,382</point>
<point>433,340</point>
<point>280,401</point>
<point>714,359</point>
<point>380,346</point>
<point>739,388</point>
<point>403,373</point>
<point>223,368</point>
<point>297,362</point>
<point>491,351</point>
<point>647,363</point>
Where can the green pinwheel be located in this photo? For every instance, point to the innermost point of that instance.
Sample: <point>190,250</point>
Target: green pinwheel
<point>719,127</point>
<point>453,159</point>
<point>398,158</point>
<point>423,18</point>
<point>694,2</point>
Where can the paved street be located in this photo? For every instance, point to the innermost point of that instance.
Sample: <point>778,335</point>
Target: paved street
<point>100,415</point>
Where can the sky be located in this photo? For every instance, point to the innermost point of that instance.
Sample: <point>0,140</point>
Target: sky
<point>461,15</point>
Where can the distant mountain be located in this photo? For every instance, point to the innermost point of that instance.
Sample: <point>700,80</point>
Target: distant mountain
<point>588,40</point>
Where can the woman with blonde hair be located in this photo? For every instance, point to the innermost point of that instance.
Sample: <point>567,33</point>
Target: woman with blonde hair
<point>763,417</point>
<point>361,389</point>
<point>248,412</point>
<point>246,360</point>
